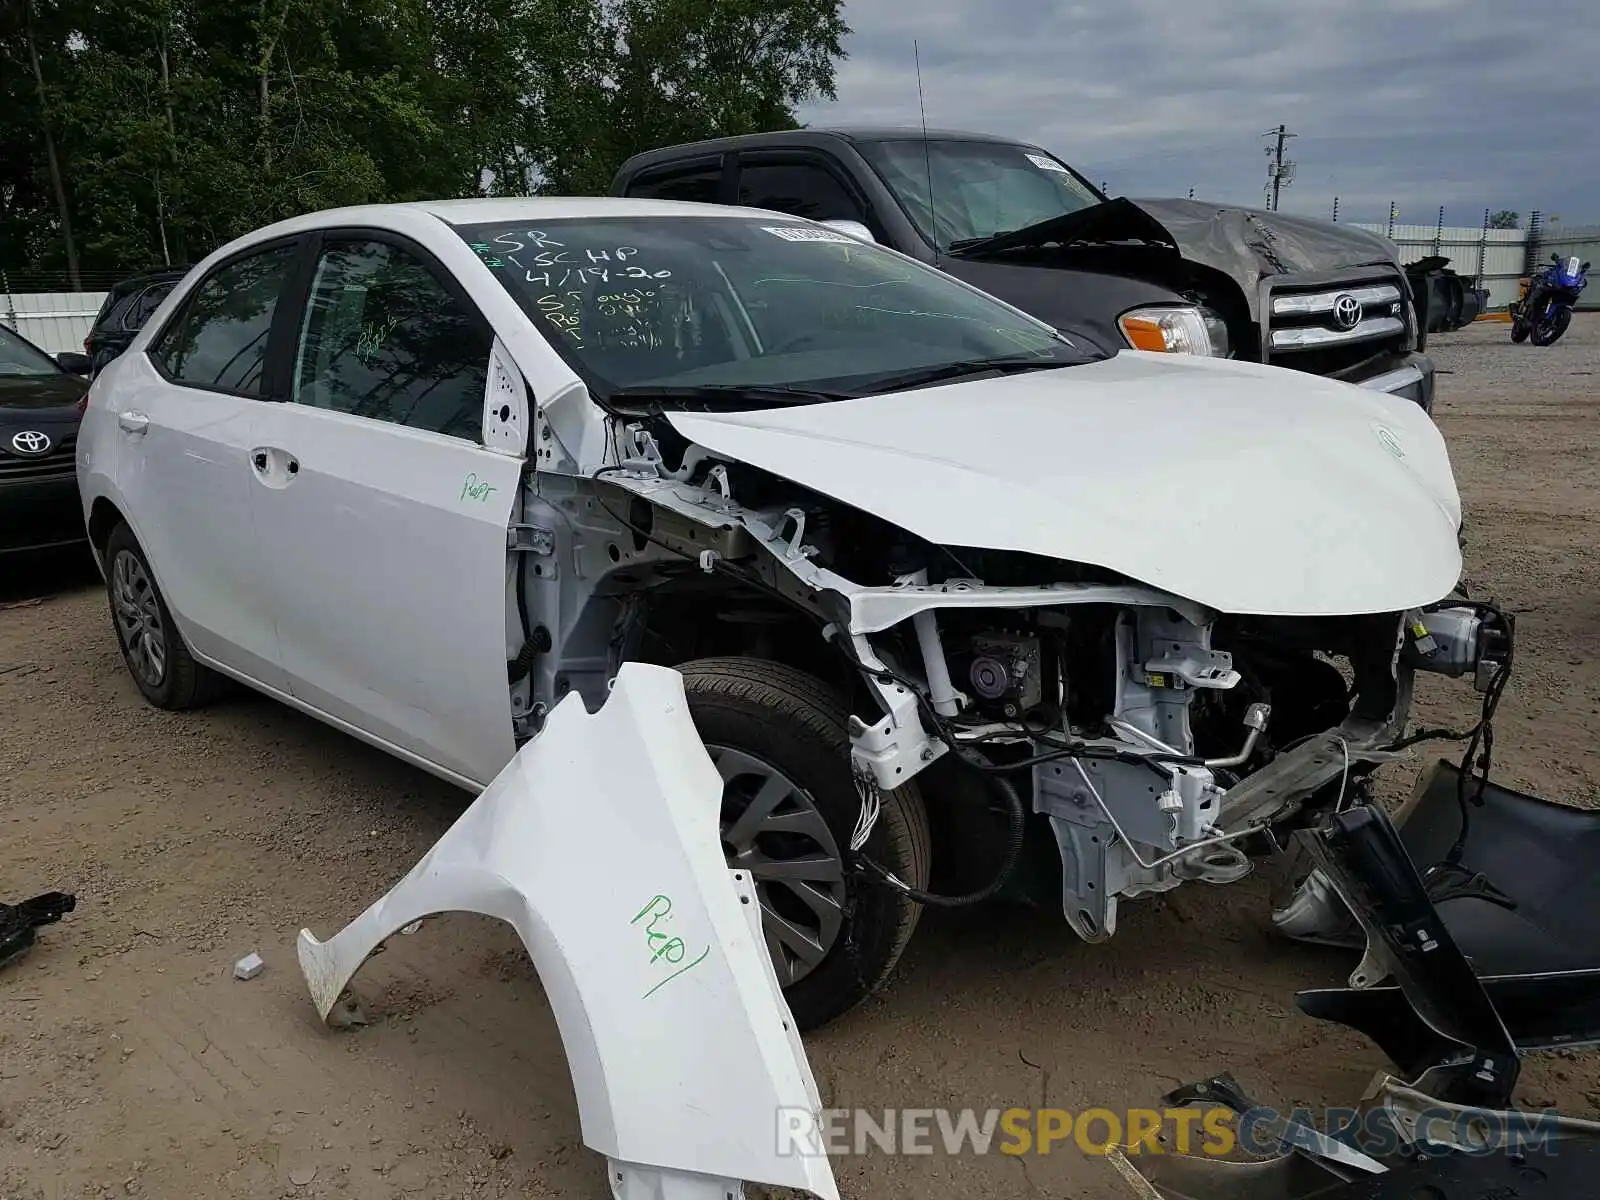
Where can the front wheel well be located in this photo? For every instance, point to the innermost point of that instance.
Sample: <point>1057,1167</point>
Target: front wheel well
<point>104,516</point>
<point>694,621</point>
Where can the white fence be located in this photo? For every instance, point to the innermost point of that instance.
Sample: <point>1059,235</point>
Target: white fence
<point>53,321</point>
<point>1498,255</point>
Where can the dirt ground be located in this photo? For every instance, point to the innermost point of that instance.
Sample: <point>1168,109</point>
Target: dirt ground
<point>132,1063</point>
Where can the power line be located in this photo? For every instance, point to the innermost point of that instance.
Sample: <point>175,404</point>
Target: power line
<point>1280,174</point>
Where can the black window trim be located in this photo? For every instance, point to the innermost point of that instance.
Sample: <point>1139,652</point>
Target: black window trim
<point>806,157</point>
<point>282,347</point>
<point>296,242</point>
<point>727,188</point>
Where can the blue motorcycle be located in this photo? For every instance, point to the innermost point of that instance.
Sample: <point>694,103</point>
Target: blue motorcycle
<point>1546,311</point>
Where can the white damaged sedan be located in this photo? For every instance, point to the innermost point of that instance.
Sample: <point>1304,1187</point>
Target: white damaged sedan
<point>962,609</point>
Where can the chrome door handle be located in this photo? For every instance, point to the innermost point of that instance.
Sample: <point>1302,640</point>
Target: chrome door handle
<point>133,422</point>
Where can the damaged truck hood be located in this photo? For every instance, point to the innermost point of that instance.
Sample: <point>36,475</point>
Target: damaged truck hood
<point>1245,244</point>
<point>1250,244</point>
<point>1247,489</point>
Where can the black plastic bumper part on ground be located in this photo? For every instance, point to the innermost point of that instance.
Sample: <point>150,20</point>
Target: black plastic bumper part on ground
<point>1568,1174</point>
<point>1493,946</point>
<point>1514,888</point>
<point>19,922</point>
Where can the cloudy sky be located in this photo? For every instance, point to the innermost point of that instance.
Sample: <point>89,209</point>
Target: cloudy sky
<point>1465,103</point>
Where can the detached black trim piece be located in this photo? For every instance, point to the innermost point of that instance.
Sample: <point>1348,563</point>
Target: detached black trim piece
<point>1516,903</point>
<point>19,922</point>
<point>1539,855</point>
<point>1564,1173</point>
<point>1541,1012</point>
<point>1361,851</point>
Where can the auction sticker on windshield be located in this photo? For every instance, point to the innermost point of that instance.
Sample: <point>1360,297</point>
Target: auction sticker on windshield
<point>1047,164</point>
<point>793,233</point>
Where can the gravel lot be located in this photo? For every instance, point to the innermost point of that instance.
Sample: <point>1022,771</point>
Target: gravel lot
<point>131,1063</point>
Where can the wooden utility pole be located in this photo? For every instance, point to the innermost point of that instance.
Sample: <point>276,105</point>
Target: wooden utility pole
<point>1279,173</point>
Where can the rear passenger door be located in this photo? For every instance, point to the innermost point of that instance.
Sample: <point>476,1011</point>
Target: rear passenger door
<point>186,414</point>
<point>382,515</point>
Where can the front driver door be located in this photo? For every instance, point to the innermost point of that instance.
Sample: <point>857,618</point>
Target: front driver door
<point>382,516</point>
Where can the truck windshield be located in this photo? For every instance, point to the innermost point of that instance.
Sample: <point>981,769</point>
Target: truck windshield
<point>718,303</point>
<point>979,188</point>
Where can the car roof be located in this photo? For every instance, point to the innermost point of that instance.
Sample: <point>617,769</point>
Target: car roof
<point>489,210</point>
<point>154,275</point>
<point>129,284</point>
<point>403,216</point>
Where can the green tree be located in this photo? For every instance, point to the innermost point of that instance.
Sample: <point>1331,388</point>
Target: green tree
<point>136,132</point>
<point>1505,219</point>
<point>646,73</point>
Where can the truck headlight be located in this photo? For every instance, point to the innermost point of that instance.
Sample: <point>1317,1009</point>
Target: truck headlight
<point>1186,330</point>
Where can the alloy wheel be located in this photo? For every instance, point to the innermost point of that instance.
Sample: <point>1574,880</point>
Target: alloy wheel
<point>139,623</point>
<point>772,828</point>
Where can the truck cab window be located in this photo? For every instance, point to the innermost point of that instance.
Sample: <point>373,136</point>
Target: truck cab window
<point>800,189</point>
<point>701,184</point>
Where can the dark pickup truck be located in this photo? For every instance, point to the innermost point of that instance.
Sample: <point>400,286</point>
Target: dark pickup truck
<point>1181,276</point>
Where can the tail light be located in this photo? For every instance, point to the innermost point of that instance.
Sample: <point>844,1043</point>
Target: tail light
<point>86,345</point>
<point>82,406</point>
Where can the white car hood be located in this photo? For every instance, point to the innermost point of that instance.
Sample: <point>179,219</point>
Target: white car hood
<point>1248,489</point>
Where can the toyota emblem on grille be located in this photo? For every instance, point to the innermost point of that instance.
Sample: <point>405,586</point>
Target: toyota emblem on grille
<point>1346,311</point>
<point>31,441</point>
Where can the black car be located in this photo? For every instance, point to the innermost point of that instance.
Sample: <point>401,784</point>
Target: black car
<point>41,402</point>
<point>127,307</point>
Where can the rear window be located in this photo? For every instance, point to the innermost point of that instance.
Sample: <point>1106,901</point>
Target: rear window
<point>115,308</point>
<point>135,315</point>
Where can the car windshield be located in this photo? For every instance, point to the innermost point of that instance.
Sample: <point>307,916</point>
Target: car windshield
<point>979,188</point>
<point>18,357</point>
<point>728,303</point>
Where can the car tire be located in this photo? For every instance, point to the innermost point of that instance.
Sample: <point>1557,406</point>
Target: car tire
<point>152,648</point>
<point>771,727</point>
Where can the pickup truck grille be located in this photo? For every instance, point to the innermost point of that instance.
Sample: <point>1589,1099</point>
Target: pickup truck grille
<point>61,460</point>
<point>1328,327</point>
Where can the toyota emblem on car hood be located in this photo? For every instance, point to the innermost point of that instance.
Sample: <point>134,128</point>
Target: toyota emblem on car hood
<point>1346,311</point>
<point>31,441</point>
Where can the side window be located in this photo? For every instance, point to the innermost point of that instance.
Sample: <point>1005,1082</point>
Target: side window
<point>148,301</point>
<point>801,189</point>
<point>699,184</point>
<point>220,340</point>
<point>383,339</point>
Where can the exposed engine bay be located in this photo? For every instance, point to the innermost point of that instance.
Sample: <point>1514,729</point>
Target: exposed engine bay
<point>1156,739</point>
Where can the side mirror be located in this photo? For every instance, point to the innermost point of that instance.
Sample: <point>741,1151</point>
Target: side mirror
<point>854,228</point>
<point>74,363</point>
<point>1585,267</point>
<point>1555,258</point>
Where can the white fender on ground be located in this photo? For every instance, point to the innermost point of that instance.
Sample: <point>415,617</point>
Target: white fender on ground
<point>599,843</point>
